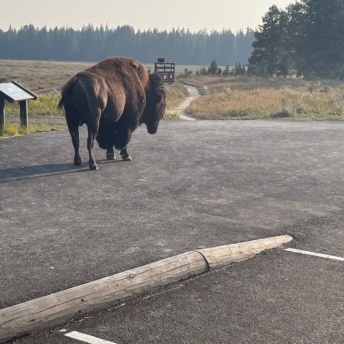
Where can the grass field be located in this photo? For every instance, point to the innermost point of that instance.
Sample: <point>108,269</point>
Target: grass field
<point>45,79</point>
<point>49,76</point>
<point>267,98</point>
<point>221,97</point>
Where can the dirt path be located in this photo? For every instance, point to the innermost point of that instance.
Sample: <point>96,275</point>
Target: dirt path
<point>181,109</point>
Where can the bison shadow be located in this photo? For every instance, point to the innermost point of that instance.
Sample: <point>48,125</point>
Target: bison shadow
<point>45,170</point>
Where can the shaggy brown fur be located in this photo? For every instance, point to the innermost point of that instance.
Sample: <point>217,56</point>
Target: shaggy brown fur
<point>112,98</point>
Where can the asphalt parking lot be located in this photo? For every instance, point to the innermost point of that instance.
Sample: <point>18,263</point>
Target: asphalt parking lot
<point>192,185</point>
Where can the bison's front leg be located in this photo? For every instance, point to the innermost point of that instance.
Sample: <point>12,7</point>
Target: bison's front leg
<point>110,154</point>
<point>122,139</point>
<point>90,143</point>
<point>124,154</point>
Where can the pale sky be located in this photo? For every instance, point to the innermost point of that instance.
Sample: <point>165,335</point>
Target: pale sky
<point>140,14</point>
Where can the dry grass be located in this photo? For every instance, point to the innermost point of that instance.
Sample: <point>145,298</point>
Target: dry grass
<point>222,97</point>
<point>248,98</point>
<point>46,78</point>
<point>45,106</point>
<point>49,76</point>
<point>175,94</point>
<point>40,76</point>
<point>15,129</point>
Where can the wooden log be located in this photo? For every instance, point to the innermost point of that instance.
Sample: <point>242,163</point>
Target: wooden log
<point>59,307</point>
<point>223,255</point>
<point>56,308</point>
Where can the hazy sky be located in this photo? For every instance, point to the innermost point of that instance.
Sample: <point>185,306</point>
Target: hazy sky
<point>141,14</point>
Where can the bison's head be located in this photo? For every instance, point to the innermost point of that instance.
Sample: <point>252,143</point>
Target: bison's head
<point>156,103</point>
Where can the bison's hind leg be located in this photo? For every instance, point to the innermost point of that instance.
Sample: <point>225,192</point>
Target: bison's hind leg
<point>76,144</point>
<point>73,128</point>
<point>92,129</point>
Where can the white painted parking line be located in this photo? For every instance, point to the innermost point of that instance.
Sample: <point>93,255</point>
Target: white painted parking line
<point>314,254</point>
<point>86,338</point>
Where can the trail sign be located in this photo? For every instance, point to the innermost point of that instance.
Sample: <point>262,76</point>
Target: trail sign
<point>165,69</point>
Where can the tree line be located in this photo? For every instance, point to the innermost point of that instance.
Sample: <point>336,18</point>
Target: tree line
<point>307,38</point>
<point>97,43</point>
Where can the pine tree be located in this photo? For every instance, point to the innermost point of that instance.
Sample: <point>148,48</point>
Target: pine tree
<point>213,68</point>
<point>269,54</point>
<point>323,32</point>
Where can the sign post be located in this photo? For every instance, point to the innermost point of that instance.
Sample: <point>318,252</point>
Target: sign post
<point>165,69</point>
<point>2,116</point>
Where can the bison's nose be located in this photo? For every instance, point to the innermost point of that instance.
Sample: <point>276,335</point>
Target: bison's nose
<point>152,130</point>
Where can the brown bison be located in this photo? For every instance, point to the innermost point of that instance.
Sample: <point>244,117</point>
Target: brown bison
<point>112,98</point>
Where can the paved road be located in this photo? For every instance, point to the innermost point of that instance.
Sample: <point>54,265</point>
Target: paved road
<point>276,297</point>
<point>192,185</point>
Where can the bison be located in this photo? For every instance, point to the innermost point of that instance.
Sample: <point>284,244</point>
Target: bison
<point>112,98</point>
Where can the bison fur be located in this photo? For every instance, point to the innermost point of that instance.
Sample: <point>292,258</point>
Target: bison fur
<point>112,98</point>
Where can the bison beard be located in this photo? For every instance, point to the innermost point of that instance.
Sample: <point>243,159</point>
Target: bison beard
<point>112,98</point>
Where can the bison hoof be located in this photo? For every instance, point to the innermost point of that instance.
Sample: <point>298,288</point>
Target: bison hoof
<point>110,156</point>
<point>127,158</point>
<point>93,167</point>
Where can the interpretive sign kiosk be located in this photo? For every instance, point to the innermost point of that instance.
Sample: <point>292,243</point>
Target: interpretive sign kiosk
<point>11,91</point>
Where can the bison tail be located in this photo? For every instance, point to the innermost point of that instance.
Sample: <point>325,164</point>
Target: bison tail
<point>60,104</point>
<point>66,103</point>
<point>65,91</point>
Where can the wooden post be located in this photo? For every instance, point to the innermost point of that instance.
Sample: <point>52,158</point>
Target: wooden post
<point>23,113</point>
<point>2,116</point>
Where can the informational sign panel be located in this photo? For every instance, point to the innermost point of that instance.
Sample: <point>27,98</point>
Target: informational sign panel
<point>166,70</point>
<point>13,92</point>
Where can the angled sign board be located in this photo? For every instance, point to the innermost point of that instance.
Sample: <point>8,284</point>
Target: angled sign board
<point>12,92</point>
